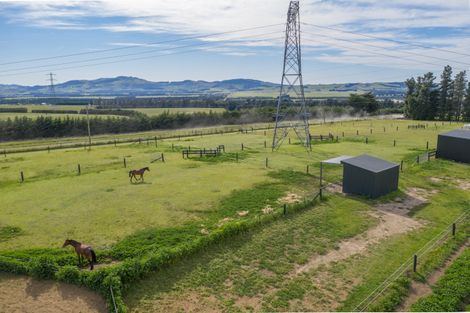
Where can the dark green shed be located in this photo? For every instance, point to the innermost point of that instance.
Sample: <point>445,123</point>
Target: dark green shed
<point>454,145</point>
<point>369,176</point>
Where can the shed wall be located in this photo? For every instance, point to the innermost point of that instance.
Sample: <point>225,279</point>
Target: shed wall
<point>453,148</point>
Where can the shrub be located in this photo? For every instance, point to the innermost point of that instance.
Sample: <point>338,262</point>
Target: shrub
<point>69,274</point>
<point>43,267</point>
<point>10,265</point>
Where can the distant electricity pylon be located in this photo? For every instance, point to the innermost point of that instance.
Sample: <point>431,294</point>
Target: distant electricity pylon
<point>51,80</point>
<point>291,113</point>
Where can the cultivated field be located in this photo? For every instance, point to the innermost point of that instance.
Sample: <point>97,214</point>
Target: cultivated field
<point>327,256</point>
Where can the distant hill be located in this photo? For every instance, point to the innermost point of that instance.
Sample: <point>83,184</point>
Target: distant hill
<point>133,86</point>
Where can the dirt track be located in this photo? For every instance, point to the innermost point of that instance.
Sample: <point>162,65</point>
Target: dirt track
<point>23,294</point>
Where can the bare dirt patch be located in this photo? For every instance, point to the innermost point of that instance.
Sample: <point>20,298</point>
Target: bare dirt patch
<point>253,303</point>
<point>390,224</point>
<point>422,289</point>
<point>435,179</point>
<point>415,197</point>
<point>336,188</point>
<point>23,294</point>
<point>463,184</point>
<point>290,198</point>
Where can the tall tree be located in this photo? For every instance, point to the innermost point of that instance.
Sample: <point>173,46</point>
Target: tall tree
<point>466,105</point>
<point>410,97</point>
<point>445,94</point>
<point>426,98</point>
<point>458,95</point>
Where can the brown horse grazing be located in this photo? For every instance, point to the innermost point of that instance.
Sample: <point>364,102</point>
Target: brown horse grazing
<point>135,173</point>
<point>82,250</point>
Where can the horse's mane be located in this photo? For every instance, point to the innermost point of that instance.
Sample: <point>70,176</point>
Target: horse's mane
<point>74,241</point>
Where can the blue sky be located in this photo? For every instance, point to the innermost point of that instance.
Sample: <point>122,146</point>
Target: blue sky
<point>140,31</point>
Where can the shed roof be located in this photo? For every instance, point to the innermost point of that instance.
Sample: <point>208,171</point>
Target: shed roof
<point>370,163</point>
<point>337,160</point>
<point>458,133</point>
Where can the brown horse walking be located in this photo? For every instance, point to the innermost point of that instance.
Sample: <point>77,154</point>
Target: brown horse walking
<point>82,250</point>
<point>135,173</point>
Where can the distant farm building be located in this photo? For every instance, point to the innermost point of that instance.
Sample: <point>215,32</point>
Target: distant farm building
<point>454,145</point>
<point>369,176</point>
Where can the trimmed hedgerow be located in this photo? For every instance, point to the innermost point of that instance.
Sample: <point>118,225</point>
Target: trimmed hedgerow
<point>43,267</point>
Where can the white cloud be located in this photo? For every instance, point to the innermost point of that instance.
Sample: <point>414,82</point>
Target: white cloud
<point>397,19</point>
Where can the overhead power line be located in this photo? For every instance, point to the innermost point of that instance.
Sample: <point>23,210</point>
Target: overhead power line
<point>372,52</point>
<point>383,48</point>
<point>132,54</point>
<point>139,46</point>
<point>389,39</point>
<point>146,57</point>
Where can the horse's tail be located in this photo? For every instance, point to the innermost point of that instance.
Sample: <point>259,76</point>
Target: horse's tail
<point>93,256</point>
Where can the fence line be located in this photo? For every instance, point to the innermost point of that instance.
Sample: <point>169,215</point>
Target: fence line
<point>378,291</point>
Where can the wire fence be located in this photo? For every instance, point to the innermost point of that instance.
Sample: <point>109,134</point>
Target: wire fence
<point>410,263</point>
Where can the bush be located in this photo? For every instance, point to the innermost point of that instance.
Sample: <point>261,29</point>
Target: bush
<point>43,267</point>
<point>10,265</point>
<point>69,274</point>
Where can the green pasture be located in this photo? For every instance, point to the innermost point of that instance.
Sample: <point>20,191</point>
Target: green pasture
<point>181,199</point>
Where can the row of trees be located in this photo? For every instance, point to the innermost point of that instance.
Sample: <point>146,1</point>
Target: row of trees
<point>449,100</point>
<point>47,126</point>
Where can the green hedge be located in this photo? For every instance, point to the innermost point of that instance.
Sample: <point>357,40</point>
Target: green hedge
<point>50,263</point>
<point>451,290</point>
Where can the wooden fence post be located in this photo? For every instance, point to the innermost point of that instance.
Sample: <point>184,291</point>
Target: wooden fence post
<point>417,159</point>
<point>415,263</point>
<point>394,143</point>
<point>267,162</point>
<point>265,143</point>
<point>289,140</point>
<point>401,166</point>
<point>79,169</point>
<point>125,165</point>
<point>308,170</point>
<point>22,176</point>
<point>285,209</point>
<point>371,130</point>
<point>357,132</point>
<point>454,228</point>
<point>163,158</point>
<point>367,140</point>
<point>321,180</point>
<point>156,142</point>
<point>243,147</point>
<point>427,145</point>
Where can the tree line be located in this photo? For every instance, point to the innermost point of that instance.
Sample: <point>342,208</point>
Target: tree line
<point>448,100</point>
<point>46,126</point>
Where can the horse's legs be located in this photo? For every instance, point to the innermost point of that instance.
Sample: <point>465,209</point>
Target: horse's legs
<point>79,259</point>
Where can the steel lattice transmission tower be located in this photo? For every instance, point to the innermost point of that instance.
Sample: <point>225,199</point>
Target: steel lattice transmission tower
<point>51,80</point>
<point>291,113</point>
